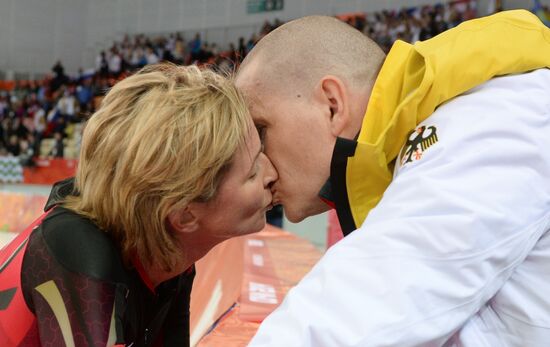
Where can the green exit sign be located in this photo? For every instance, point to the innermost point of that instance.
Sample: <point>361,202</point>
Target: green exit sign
<point>258,6</point>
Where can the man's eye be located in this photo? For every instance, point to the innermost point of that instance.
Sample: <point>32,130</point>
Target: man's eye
<point>261,133</point>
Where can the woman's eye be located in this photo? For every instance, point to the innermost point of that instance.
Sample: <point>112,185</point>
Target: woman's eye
<point>255,173</point>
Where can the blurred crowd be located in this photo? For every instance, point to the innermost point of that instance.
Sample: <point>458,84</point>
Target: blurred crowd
<point>32,111</point>
<point>134,52</point>
<point>414,24</point>
<point>35,110</point>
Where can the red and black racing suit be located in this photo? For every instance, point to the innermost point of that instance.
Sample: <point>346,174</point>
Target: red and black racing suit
<point>63,283</point>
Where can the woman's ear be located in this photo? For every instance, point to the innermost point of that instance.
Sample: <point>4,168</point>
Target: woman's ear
<point>182,220</point>
<point>333,95</point>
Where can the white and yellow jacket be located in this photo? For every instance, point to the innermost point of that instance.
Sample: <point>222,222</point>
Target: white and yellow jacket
<point>449,186</point>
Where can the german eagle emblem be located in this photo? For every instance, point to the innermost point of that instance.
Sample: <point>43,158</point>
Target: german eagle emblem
<point>418,141</point>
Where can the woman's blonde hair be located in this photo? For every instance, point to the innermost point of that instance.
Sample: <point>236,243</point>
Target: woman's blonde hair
<point>162,138</point>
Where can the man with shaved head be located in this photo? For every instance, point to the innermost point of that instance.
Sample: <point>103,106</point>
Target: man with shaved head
<point>310,63</point>
<point>438,155</point>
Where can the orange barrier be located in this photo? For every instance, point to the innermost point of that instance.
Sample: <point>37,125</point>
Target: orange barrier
<point>261,291</point>
<point>7,85</point>
<point>17,211</point>
<point>49,171</point>
<point>217,285</point>
<point>289,258</point>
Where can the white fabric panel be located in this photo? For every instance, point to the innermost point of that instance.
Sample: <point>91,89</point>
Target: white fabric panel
<point>456,253</point>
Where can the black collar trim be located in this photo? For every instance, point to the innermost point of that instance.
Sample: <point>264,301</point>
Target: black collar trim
<point>343,149</point>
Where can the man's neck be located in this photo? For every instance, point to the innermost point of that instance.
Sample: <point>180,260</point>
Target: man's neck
<point>359,100</point>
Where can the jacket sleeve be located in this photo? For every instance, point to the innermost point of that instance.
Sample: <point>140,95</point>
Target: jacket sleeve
<point>71,309</point>
<point>447,234</point>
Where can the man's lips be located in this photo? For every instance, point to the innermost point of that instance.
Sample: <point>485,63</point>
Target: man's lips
<point>275,197</point>
<point>272,204</point>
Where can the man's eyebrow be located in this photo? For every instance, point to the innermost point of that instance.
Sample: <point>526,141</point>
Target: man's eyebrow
<point>256,108</point>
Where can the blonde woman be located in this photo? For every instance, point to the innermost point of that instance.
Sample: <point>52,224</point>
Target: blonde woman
<point>170,166</point>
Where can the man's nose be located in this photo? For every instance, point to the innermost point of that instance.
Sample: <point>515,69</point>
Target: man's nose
<point>270,173</point>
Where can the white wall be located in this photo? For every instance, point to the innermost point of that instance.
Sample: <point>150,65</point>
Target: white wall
<point>35,33</point>
<point>313,229</point>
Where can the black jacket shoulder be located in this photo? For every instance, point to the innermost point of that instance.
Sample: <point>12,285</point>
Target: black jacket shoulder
<point>80,246</point>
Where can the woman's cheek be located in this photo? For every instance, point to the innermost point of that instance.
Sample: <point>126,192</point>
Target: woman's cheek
<point>256,200</point>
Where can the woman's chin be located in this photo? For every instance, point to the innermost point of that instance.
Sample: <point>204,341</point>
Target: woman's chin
<point>258,226</point>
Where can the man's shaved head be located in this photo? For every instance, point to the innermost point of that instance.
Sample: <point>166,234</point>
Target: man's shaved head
<point>306,84</point>
<point>300,52</point>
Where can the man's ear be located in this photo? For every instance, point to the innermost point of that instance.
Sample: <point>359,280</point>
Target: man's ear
<point>333,94</point>
<point>182,220</point>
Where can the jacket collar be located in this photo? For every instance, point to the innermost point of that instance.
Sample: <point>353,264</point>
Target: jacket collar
<point>413,82</point>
